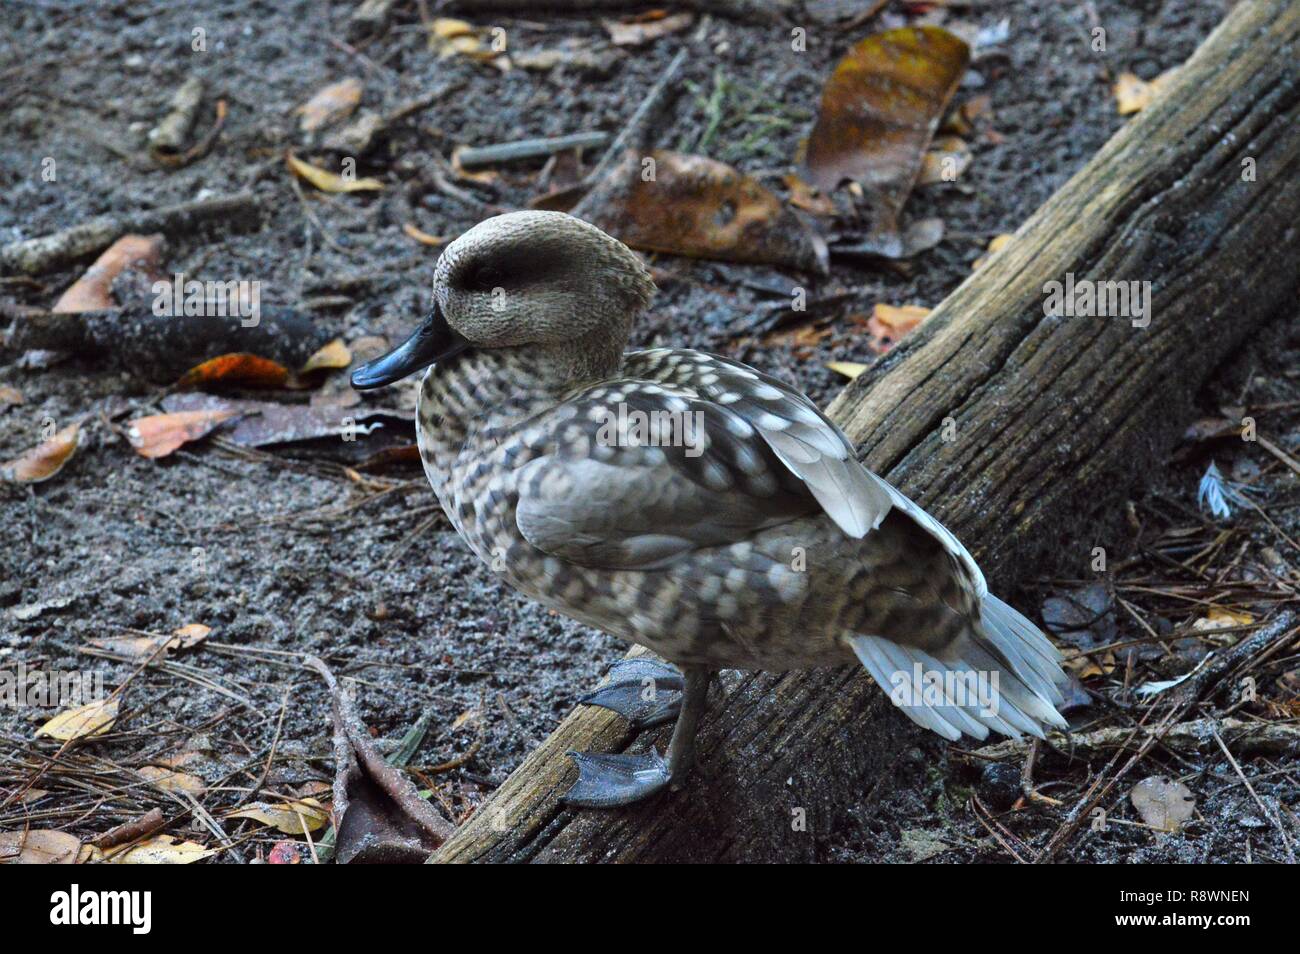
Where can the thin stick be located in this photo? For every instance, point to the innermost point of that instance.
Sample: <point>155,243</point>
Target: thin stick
<point>1271,816</point>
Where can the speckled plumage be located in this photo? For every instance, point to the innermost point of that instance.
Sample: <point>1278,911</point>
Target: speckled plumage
<point>765,544</point>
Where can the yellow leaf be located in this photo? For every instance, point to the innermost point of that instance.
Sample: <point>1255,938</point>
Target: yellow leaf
<point>327,181</point>
<point>288,817</point>
<point>92,719</point>
<point>333,355</point>
<point>850,369</point>
<point>1133,94</point>
<point>160,850</point>
<point>996,244</point>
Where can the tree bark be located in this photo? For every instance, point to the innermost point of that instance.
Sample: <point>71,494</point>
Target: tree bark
<point>1014,428</point>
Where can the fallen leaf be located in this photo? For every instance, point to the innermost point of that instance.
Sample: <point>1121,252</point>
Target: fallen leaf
<point>145,647</point>
<point>803,196</point>
<point>420,236</point>
<point>996,244</point>
<point>159,850</point>
<point>39,847</point>
<point>159,434</point>
<point>94,718</point>
<point>1133,94</point>
<point>43,461</point>
<point>850,369</point>
<point>265,423</point>
<point>947,159</point>
<point>889,323</point>
<point>328,181</point>
<point>331,356</point>
<point>698,207</point>
<point>236,370</point>
<point>32,610</point>
<point>10,395</point>
<point>879,110</point>
<point>1162,802</point>
<point>330,104</point>
<point>638,30</point>
<point>284,853</point>
<point>287,817</point>
<point>93,291</point>
<point>170,780</point>
<point>449,37</point>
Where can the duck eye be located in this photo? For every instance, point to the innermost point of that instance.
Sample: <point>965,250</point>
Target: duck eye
<point>485,277</point>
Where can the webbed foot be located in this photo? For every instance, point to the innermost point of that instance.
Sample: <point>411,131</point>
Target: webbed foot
<point>644,691</point>
<point>608,780</point>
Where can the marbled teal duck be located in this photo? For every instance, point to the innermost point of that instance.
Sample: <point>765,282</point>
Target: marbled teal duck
<point>688,503</point>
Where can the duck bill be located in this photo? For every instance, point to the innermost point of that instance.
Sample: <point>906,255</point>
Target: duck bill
<point>433,341</point>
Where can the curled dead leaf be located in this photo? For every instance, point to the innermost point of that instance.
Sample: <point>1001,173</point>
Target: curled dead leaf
<point>159,434</point>
<point>888,324</point>
<point>696,206</point>
<point>645,27</point>
<point>328,181</point>
<point>44,460</point>
<point>10,395</point>
<point>330,357</point>
<point>1134,94</point>
<point>424,238</point>
<point>94,718</point>
<point>159,850</point>
<point>947,159</point>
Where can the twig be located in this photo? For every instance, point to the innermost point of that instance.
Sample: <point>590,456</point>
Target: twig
<point>471,157</point>
<point>1271,816</point>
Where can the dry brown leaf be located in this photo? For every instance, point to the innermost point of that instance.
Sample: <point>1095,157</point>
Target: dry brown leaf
<point>10,395</point>
<point>93,291</point>
<point>159,850</point>
<point>159,434</point>
<point>646,27</point>
<point>92,719</point>
<point>330,104</point>
<point>44,460</point>
<point>879,110</point>
<point>287,817</point>
<point>698,207</point>
<point>330,357</point>
<point>424,238</point>
<point>236,370</point>
<point>804,196</point>
<point>1163,803</point>
<point>328,181</point>
<point>449,37</point>
<point>39,847</point>
<point>145,647</point>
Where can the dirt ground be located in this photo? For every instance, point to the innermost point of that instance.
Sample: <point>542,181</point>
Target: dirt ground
<point>283,553</point>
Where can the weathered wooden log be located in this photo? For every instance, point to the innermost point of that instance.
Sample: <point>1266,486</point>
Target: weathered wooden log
<point>1014,427</point>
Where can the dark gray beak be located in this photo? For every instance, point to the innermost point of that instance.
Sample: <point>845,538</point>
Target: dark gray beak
<point>433,341</point>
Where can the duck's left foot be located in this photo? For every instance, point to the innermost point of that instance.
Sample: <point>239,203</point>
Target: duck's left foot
<point>608,780</point>
<point>644,691</point>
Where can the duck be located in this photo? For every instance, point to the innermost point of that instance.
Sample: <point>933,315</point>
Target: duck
<point>688,503</point>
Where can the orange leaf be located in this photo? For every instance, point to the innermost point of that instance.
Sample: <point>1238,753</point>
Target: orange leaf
<point>236,370</point>
<point>159,434</point>
<point>889,323</point>
<point>421,236</point>
<point>43,461</point>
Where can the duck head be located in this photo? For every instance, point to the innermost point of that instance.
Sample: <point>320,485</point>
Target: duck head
<point>545,282</point>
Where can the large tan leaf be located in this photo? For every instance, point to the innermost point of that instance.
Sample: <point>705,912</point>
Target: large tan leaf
<point>93,291</point>
<point>159,434</point>
<point>160,850</point>
<point>94,718</point>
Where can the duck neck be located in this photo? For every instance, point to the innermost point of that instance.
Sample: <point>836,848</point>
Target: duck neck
<point>483,395</point>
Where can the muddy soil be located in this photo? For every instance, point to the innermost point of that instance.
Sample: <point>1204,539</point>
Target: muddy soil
<point>284,553</point>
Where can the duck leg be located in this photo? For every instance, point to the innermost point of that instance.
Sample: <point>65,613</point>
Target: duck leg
<point>608,780</point>
<point>642,690</point>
